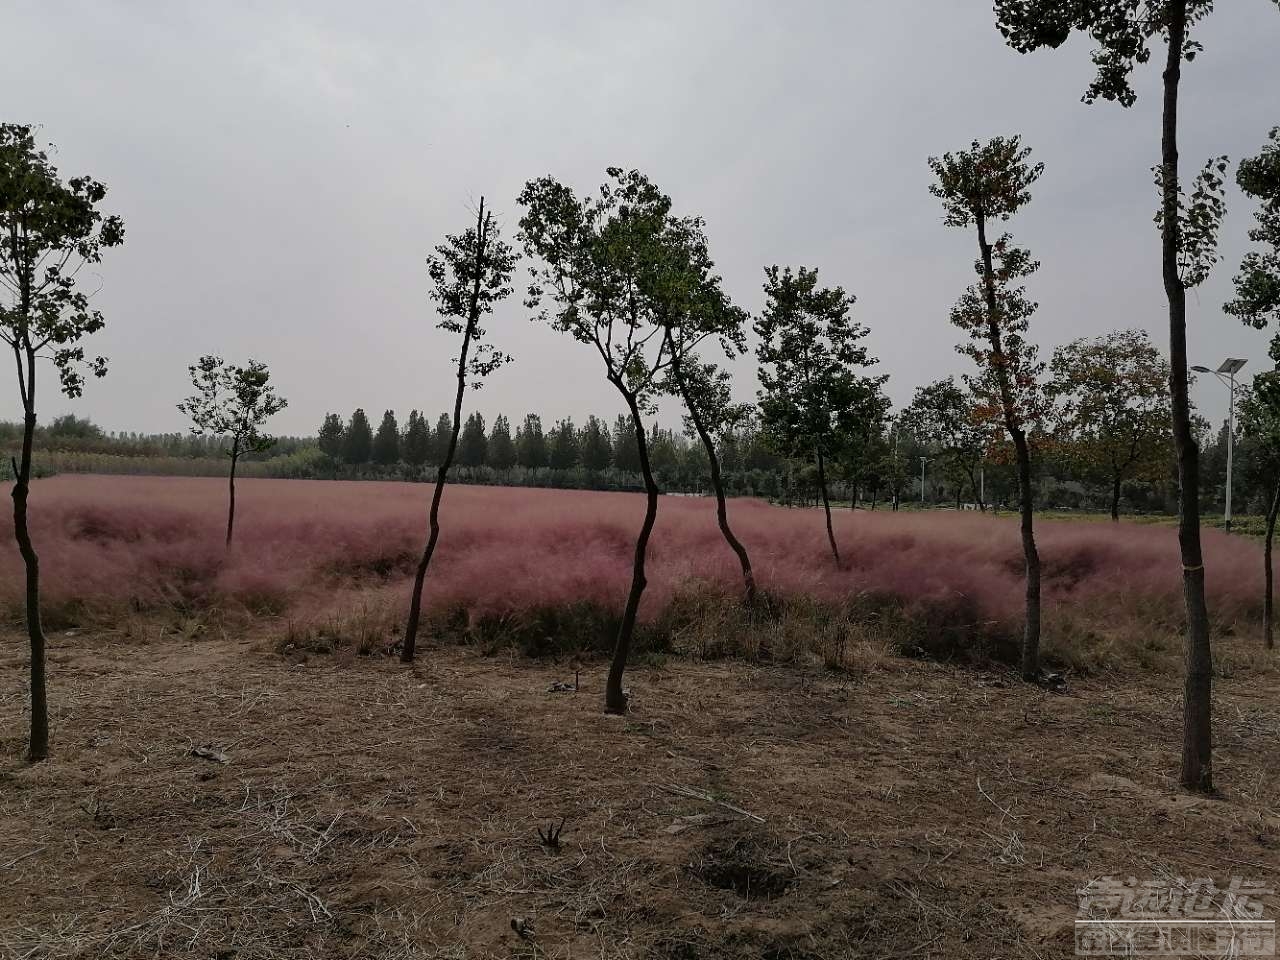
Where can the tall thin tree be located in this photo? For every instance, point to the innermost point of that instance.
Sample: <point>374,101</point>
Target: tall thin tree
<point>592,255</point>
<point>692,307</point>
<point>711,415</point>
<point>811,396</point>
<point>357,439</point>
<point>1260,430</point>
<point>386,442</point>
<point>1124,31</point>
<point>470,273</point>
<point>330,439</point>
<point>416,443</point>
<point>1257,303</point>
<point>233,403</point>
<point>986,183</point>
<point>48,231</point>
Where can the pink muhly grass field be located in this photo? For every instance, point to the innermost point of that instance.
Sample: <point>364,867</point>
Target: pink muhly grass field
<point>302,546</point>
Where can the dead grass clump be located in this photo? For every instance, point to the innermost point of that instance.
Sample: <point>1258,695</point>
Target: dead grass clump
<point>542,631</point>
<point>864,634</point>
<point>361,631</point>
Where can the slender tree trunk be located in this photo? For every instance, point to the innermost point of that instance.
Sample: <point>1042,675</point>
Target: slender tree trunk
<point>1031,630</point>
<point>409,646</point>
<point>826,505</point>
<point>615,701</point>
<point>1197,741</point>
<point>977,493</point>
<point>1268,577</point>
<point>231,500</point>
<point>38,747</point>
<point>722,510</point>
<point>1115,498</point>
<point>1031,556</point>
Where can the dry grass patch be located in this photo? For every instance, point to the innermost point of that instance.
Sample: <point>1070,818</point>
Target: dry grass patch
<point>368,810</point>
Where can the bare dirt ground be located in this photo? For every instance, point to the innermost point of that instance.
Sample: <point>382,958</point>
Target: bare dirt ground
<point>369,810</point>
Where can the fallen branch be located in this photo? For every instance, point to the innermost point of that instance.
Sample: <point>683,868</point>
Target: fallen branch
<point>684,791</point>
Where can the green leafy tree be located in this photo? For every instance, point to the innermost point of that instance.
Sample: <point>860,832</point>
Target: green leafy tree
<point>626,451</point>
<point>596,445</point>
<point>1257,299</point>
<point>664,454</point>
<point>694,468</point>
<point>565,452</point>
<point>1124,33</point>
<point>1111,415</point>
<point>859,456</point>
<point>440,439</point>
<point>469,274</point>
<point>876,474</point>
<point>330,439</point>
<point>502,449</point>
<point>897,458</point>
<point>70,427</point>
<point>531,444</point>
<point>1260,428</point>
<point>386,442</point>
<point>592,255</point>
<point>416,443</point>
<point>473,447</point>
<point>692,307</point>
<point>945,416</point>
<point>987,183</point>
<point>49,231</point>
<point>233,403</point>
<point>357,439</point>
<point>757,454</point>
<point>812,399</point>
<point>729,447</point>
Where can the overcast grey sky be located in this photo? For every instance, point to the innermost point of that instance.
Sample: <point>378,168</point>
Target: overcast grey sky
<point>283,169</point>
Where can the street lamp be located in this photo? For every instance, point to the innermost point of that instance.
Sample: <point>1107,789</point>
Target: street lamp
<point>923,461</point>
<point>1227,374</point>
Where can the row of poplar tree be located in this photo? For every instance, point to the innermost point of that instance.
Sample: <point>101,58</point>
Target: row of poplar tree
<point>594,446</point>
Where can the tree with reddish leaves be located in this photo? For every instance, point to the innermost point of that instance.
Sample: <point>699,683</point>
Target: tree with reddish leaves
<point>1124,33</point>
<point>1111,408</point>
<point>978,187</point>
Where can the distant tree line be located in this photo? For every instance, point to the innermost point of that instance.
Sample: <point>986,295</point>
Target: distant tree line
<point>1072,471</point>
<point>594,455</point>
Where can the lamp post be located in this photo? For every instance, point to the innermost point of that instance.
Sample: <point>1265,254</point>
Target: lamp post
<point>923,461</point>
<point>1227,374</point>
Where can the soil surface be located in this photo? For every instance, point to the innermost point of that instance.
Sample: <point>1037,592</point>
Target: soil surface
<point>211,798</point>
